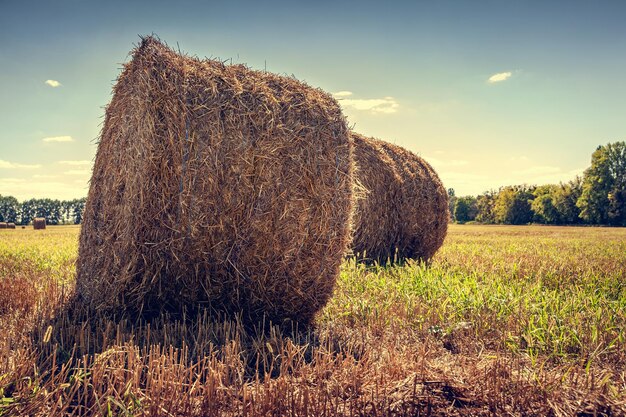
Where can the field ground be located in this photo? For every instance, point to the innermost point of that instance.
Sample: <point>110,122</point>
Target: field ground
<point>507,320</point>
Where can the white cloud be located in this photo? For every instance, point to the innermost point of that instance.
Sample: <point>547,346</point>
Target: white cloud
<point>58,139</point>
<point>7,164</point>
<point>540,175</point>
<point>53,83</point>
<point>538,170</point>
<point>23,189</point>
<point>521,158</point>
<point>78,172</point>
<point>12,181</point>
<point>501,76</point>
<point>383,105</point>
<point>340,94</point>
<point>75,163</point>
<point>44,176</point>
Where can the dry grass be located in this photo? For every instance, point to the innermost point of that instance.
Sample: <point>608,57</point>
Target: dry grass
<point>505,321</point>
<point>404,213</point>
<point>215,186</point>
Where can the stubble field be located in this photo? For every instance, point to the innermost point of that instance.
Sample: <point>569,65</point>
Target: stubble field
<point>506,320</point>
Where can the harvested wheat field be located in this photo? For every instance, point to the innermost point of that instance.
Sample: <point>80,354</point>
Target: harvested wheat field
<point>403,212</point>
<point>215,186</point>
<point>527,328</point>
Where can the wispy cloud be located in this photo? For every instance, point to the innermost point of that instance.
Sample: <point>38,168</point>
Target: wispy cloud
<point>53,83</point>
<point>499,77</point>
<point>78,172</point>
<point>543,174</point>
<point>23,189</point>
<point>44,176</point>
<point>7,164</point>
<point>58,139</point>
<point>8,181</point>
<point>340,94</point>
<point>538,170</point>
<point>521,158</point>
<point>383,105</point>
<point>75,163</point>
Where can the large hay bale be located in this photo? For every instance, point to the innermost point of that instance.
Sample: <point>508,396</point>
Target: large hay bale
<point>215,185</point>
<point>404,212</point>
<point>3,225</point>
<point>10,225</point>
<point>39,223</point>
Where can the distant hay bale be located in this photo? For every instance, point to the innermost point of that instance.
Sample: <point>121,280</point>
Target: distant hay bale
<point>404,213</point>
<point>3,225</point>
<point>39,223</point>
<point>10,225</point>
<point>215,186</point>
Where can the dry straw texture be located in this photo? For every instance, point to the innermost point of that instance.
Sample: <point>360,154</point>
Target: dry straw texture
<point>3,225</point>
<point>10,225</point>
<point>404,213</point>
<point>39,223</point>
<point>216,186</point>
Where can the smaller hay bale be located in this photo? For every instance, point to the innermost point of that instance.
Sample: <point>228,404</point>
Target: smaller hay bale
<point>10,225</point>
<point>404,213</point>
<point>39,223</point>
<point>3,225</point>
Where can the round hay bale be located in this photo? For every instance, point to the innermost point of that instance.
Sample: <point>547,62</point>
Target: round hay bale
<point>10,225</point>
<point>39,223</point>
<point>215,186</point>
<point>3,225</point>
<point>404,212</point>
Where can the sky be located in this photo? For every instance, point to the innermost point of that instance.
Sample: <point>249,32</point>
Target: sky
<point>491,93</point>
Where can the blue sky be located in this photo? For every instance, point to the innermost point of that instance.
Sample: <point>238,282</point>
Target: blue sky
<point>413,73</point>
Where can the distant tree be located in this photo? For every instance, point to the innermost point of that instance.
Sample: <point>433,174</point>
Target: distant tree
<point>465,209</point>
<point>66,210</point>
<point>9,207</point>
<point>543,206</point>
<point>565,198</point>
<point>485,204</point>
<point>513,205</point>
<point>78,207</point>
<point>27,211</point>
<point>603,198</point>
<point>451,202</point>
<point>41,207</point>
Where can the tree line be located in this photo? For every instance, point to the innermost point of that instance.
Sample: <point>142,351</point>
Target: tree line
<point>54,211</point>
<point>597,198</point>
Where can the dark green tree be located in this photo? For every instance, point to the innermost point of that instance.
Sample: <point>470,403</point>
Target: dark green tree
<point>9,207</point>
<point>543,206</point>
<point>465,209</point>
<point>78,207</point>
<point>485,204</point>
<point>41,207</point>
<point>603,199</point>
<point>27,211</point>
<point>513,205</point>
<point>564,200</point>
